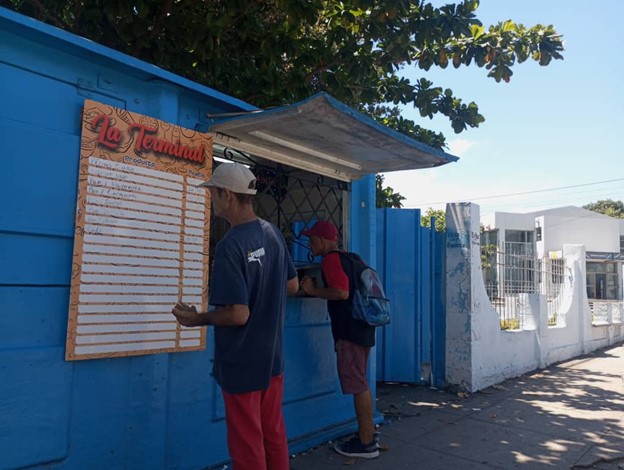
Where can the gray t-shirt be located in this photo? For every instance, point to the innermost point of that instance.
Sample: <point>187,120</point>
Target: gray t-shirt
<point>251,267</point>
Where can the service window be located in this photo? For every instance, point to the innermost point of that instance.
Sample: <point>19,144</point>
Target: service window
<point>292,199</point>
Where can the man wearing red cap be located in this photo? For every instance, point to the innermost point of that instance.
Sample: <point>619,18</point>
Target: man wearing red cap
<point>353,338</point>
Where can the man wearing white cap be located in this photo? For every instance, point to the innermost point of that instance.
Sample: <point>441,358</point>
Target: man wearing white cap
<point>252,274</point>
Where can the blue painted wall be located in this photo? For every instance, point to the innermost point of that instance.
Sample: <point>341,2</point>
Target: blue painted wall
<point>411,262</point>
<point>156,411</point>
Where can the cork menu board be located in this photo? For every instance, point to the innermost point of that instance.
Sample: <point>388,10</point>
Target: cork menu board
<point>141,237</point>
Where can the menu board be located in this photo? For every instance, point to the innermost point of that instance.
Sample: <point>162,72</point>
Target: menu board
<point>141,238</point>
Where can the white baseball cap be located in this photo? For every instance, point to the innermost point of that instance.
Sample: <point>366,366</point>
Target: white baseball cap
<point>233,177</point>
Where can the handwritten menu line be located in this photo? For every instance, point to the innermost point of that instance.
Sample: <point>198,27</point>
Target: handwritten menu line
<point>117,186</point>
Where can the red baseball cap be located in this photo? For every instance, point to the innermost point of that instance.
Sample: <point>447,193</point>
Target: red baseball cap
<point>322,229</point>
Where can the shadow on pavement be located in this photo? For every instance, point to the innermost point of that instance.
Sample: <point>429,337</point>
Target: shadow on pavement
<point>570,415</point>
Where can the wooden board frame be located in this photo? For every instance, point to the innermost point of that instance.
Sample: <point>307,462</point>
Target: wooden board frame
<point>141,238</point>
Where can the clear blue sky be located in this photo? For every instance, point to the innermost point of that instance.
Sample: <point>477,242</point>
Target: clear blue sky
<point>549,127</point>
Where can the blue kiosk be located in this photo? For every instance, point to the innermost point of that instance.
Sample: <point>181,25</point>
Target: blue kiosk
<point>316,159</point>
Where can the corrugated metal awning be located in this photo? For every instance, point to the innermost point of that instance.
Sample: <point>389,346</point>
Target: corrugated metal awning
<point>325,136</point>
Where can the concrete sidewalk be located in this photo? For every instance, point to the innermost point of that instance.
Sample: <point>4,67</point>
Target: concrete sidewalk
<point>570,415</point>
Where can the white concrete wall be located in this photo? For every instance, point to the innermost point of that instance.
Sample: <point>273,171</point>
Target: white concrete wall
<point>478,353</point>
<point>571,225</point>
<point>596,234</point>
<point>509,221</point>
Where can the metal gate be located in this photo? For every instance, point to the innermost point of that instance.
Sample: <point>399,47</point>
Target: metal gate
<point>410,259</point>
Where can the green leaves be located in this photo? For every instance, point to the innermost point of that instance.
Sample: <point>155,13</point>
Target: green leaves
<point>439,217</point>
<point>391,117</point>
<point>607,207</point>
<point>386,197</point>
<point>274,52</point>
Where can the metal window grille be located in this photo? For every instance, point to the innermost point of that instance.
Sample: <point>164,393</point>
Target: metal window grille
<point>553,273</point>
<point>288,197</point>
<point>511,275</point>
<point>519,261</point>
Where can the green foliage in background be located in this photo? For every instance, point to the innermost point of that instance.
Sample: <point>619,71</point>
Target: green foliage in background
<point>386,197</point>
<point>607,207</point>
<point>440,219</point>
<point>275,52</point>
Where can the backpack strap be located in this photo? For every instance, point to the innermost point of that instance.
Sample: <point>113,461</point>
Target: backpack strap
<point>353,266</point>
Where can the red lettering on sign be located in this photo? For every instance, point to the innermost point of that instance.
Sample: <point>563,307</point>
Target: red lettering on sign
<point>146,140</point>
<point>108,136</point>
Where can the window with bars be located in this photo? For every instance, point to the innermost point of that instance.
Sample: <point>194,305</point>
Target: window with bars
<point>520,260</point>
<point>290,198</point>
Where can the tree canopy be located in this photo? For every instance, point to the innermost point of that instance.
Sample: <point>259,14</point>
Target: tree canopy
<point>440,219</point>
<point>276,52</point>
<point>386,197</point>
<point>607,207</point>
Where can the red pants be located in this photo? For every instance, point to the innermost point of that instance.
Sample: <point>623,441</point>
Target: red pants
<point>256,433</point>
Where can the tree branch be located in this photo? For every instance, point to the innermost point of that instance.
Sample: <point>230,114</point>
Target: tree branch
<point>47,16</point>
<point>164,11</point>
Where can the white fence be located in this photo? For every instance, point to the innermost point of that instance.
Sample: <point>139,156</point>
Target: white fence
<point>510,275</point>
<point>478,352</point>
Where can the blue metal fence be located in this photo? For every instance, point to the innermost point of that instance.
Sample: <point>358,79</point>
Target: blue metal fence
<point>410,259</point>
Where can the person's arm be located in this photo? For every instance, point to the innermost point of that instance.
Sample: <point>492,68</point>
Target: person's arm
<point>227,315</point>
<point>327,293</point>
<point>337,287</point>
<point>292,285</point>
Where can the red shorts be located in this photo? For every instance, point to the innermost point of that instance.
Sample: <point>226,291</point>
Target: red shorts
<point>351,360</point>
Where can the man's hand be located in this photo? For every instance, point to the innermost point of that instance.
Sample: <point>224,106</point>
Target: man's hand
<point>292,286</point>
<point>327,293</point>
<point>307,285</point>
<point>187,315</point>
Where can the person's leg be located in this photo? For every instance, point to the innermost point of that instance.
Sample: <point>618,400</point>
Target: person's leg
<point>273,427</point>
<point>244,430</point>
<point>351,361</point>
<point>363,403</point>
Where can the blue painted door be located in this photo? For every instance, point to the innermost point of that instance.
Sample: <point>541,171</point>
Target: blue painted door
<point>410,259</point>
